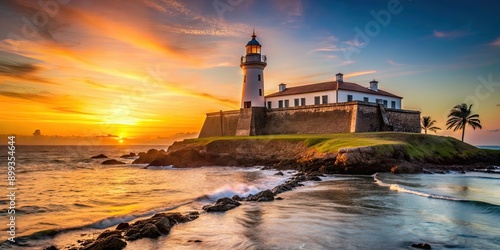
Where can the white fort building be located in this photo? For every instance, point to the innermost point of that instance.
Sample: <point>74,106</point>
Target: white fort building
<point>333,106</point>
<point>254,63</point>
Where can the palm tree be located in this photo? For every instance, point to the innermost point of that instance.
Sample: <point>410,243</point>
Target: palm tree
<point>460,116</point>
<point>428,124</point>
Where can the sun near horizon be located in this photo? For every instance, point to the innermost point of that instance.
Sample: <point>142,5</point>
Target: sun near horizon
<point>142,73</point>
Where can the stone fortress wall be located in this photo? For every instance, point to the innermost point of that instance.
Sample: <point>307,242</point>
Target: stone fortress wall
<point>346,117</point>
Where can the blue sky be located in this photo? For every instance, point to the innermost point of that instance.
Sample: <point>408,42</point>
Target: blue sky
<point>153,68</point>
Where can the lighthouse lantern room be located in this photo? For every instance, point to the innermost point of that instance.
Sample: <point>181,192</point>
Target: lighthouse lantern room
<point>253,64</point>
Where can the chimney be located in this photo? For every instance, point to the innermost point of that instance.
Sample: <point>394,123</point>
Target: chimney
<point>282,87</point>
<point>374,85</point>
<point>339,77</point>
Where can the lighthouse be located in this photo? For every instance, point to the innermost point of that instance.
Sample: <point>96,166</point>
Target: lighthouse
<point>253,64</point>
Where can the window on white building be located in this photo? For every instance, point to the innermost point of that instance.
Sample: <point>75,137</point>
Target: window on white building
<point>280,104</point>
<point>269,105</point>
<point>385,103</point>
<point>316,100</point>
<point>393,104</point>
<point>296,102</point>
<point>260,92</point>
<point>259,78</point>
<point>365,99</point>
<point>302,101</point>
<point>349,98</point>
<point>287,103</point>
<point>324,99</point>
<point>379,101</point>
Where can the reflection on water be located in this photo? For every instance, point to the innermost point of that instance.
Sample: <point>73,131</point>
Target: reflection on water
<point>342,212</point>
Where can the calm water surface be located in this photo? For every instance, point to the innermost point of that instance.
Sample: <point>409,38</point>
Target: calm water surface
<point>60,188</point>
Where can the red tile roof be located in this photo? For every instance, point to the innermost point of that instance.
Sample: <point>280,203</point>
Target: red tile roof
<point>326,86</point>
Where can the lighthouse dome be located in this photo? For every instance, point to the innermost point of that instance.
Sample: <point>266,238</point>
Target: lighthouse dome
<point>253,41</point>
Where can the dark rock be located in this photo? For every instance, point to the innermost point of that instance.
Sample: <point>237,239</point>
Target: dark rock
<point>421,245</point>
<point>85,242</point>
<point>237,198</point>
<point>281,189</point>
<point>132,230</point>
<point>279,198</point>
<point>463,172</point>
<point>195,241</point>
<point>130,155</point>
<point>279,173</point>
<point>108,233</point>
<point>222,204</point>
<point>148,157</point>
<point>313,178</point>
<point>149,231</point>
<point>163,225</point>
<point>112,162</point>
<point>193,215</point>
<point>185,158</point>
<point>122,226</point>
<point>51,248</point>
<point>266,195</point>
<point>133,237</point>
<point>111,242</point>
<point>99,156</point>
<point>176,218</point>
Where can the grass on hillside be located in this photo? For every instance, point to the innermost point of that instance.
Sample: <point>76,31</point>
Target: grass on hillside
<point>418,145</point>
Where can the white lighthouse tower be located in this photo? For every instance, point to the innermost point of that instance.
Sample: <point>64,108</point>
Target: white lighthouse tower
<point>253,64</point>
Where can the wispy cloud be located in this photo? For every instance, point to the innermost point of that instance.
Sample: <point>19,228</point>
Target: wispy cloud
<point>359,73</point>
<point>293,9</point>
<point>393,63</point>
<point>22,71</point>
<point>64,104</point>
<point>450,34</point>
<point>496,42</point>
<point>330,48</point>
<point>344,63</point>
<point>494,130</point>
<point>354,43</point>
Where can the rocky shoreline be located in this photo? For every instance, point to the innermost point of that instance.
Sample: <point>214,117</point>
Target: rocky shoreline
<point>160,224</point>
<point>413,153</point>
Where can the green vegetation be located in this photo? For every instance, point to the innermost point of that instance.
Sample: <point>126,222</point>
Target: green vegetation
<point>322,142</point>
<point>428,124</point>
<point>410,146</point>
<point>460,116</point>
<point>419,145</point>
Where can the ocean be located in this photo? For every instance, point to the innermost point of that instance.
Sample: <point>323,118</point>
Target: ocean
<point>64,196</point>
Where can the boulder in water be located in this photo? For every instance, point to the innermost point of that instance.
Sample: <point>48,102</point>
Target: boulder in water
<point>148,157</point>
<point>421,245</point>
<point>122,226</point>
<point>266,195</point>
<point>149,231</point>
<point>130,155</point>
<point>112,162</point>
<point>159,224</point>
<point>222,204</point>
<point>99,156</point>
<point>111,242</point>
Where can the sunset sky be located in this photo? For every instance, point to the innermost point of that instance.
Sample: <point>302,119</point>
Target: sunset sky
<point>150,69</point>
